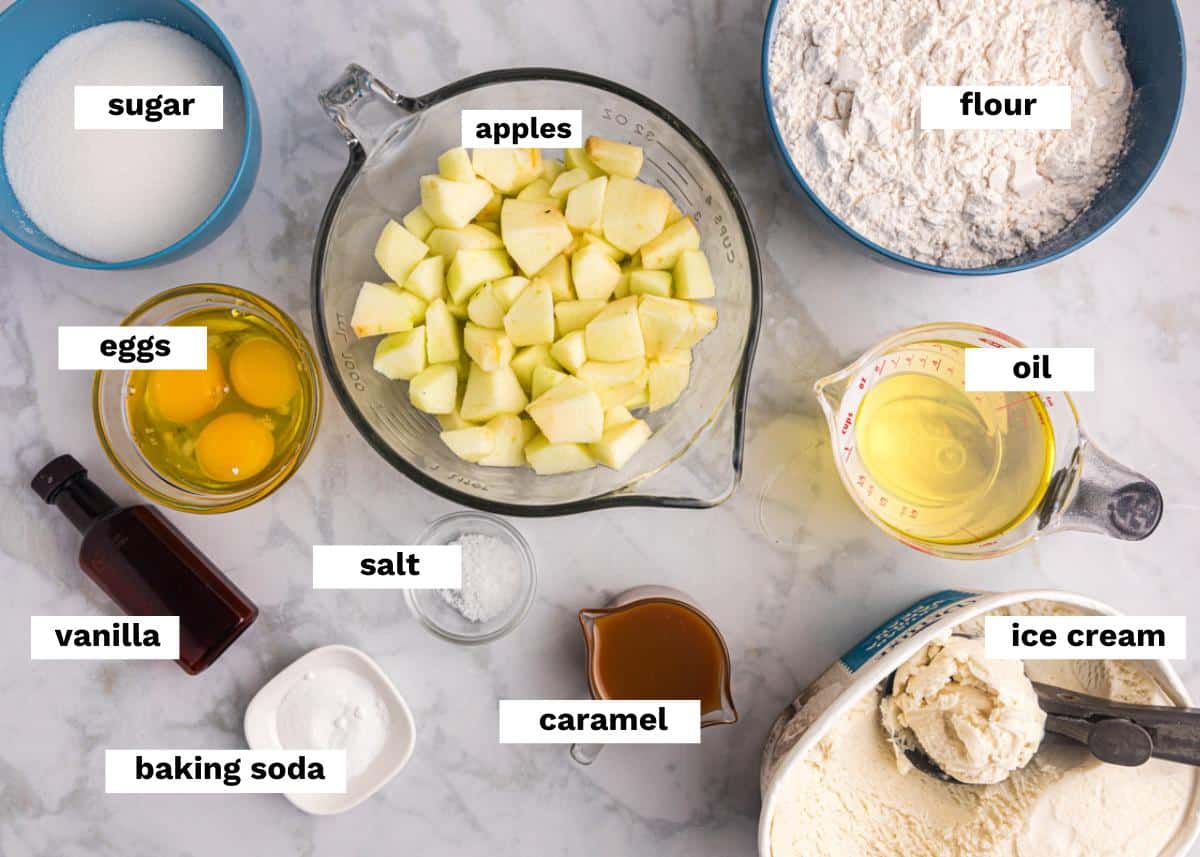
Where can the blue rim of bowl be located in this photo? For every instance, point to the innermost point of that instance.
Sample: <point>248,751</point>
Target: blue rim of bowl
<point>247,135</point>
<point>991,270</point>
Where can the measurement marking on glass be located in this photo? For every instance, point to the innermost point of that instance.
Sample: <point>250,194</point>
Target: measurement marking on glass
<point>678,187</point>
<point>671,164</point>
<point>679,161</point>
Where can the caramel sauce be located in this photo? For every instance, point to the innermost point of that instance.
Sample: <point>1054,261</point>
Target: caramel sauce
<point>658,649</point>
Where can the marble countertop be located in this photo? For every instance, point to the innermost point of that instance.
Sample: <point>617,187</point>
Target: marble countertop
<point>791,590</point>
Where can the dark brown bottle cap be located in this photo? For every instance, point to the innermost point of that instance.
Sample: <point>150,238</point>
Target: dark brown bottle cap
<point>55,475</point>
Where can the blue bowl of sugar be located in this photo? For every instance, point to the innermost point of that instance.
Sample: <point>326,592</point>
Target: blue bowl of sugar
<point>1152,34</point>
<point>30,29</point>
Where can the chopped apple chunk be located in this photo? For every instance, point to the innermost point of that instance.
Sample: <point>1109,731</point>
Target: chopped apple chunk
<point>435,389</point>
<point>441,334</point>
<point>490,349</point>
<point>569,412</point>
<point>398,251</point>
<point>530,321</point>
<point>585,205</point>
<point>472,443</point>
<point>616,159</point>
<point>662,253</point>
<point>510,434</point>
<point>428,280</point>
<point>533,233</point>
<point>471,269</point>
<point>508,170</point>
<point>620,443</point>
<point>570,351</point>
<point>452,204</point>
<point>473,236</point>
<point>490,394</point>
<point>615,334</point>
<point>455,165</point>
<point>574,315</point>
<point>548,459</point>
<point>693,278</point>
<point>381,308</point>
<point>634,212</point>
<point>401,356</point>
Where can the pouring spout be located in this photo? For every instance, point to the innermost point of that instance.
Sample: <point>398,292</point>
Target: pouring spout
<point>1100,495</point>
<point>831,389</point>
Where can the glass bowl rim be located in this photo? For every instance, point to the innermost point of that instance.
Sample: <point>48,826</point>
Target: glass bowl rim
<point>621,495</point>
<point>529,565</point>
<point>282,322</point>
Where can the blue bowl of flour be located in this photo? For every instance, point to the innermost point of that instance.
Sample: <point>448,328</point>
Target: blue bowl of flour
<point>30,28</point>
<point>1152,33</point>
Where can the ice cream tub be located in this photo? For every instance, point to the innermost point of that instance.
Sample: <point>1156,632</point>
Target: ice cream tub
<point>831,698</point>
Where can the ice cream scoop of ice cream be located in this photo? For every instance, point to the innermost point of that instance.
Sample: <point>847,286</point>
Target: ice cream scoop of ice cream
<point>977,719</point>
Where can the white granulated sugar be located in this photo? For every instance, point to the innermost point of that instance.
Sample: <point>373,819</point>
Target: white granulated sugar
<point>845,78</point>
<point>118,195</point>
<point>491,578</point>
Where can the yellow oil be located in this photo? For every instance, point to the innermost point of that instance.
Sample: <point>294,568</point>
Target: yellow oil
<point>952,467</point>
<point>219,429</point>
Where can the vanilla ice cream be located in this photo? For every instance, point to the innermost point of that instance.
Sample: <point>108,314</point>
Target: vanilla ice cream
<point>847,797</point>
<point>977,719</point>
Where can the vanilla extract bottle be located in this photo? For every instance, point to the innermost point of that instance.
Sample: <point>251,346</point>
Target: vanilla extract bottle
<point>146,566</point>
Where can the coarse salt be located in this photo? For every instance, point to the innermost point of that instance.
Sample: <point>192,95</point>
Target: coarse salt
<point>491,578</point>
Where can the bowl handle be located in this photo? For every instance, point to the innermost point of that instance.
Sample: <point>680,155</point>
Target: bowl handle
<point>362,107</point>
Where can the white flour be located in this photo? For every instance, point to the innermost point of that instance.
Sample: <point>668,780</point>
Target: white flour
<point>845,77</point>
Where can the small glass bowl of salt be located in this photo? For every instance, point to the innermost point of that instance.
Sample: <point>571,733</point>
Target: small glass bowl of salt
<point>498,580</point>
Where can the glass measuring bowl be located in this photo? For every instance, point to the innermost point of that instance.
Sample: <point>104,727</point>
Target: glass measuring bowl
<point>1087,490</point>
<point>393,140</point>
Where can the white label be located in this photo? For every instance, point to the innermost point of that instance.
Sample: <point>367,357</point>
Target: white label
<point>149,108</point>
<point>121,347</point>
<point>207,772</point>
<point>601,721</point>
<point>1021,370</point>
<point>511,129</point>
<point>1088,638</point>
<point>104,638</point>
<point>387,567</point>
<point>954,108</point>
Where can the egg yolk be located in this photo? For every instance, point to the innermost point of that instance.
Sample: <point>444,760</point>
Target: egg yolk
<point>183,395</point>
<point>264,373</point>
<point>234,447</point>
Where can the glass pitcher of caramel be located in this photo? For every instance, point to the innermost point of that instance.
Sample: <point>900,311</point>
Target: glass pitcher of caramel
<point>653,642</point>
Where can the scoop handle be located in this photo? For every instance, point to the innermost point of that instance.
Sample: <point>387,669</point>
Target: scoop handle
<point>1121,733</point>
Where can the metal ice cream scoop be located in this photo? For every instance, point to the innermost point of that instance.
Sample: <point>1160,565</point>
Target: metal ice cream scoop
<point>1115,732</point>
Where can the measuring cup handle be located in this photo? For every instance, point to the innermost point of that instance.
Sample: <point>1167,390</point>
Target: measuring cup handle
<point>1109,498</point>
<point>585,754</point>
<point>362,107</point>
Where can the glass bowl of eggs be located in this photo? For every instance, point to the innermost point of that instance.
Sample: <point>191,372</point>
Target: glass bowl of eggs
<point>220,438</point>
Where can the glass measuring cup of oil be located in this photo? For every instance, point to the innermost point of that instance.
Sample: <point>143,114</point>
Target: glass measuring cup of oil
<point>970,475</point>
